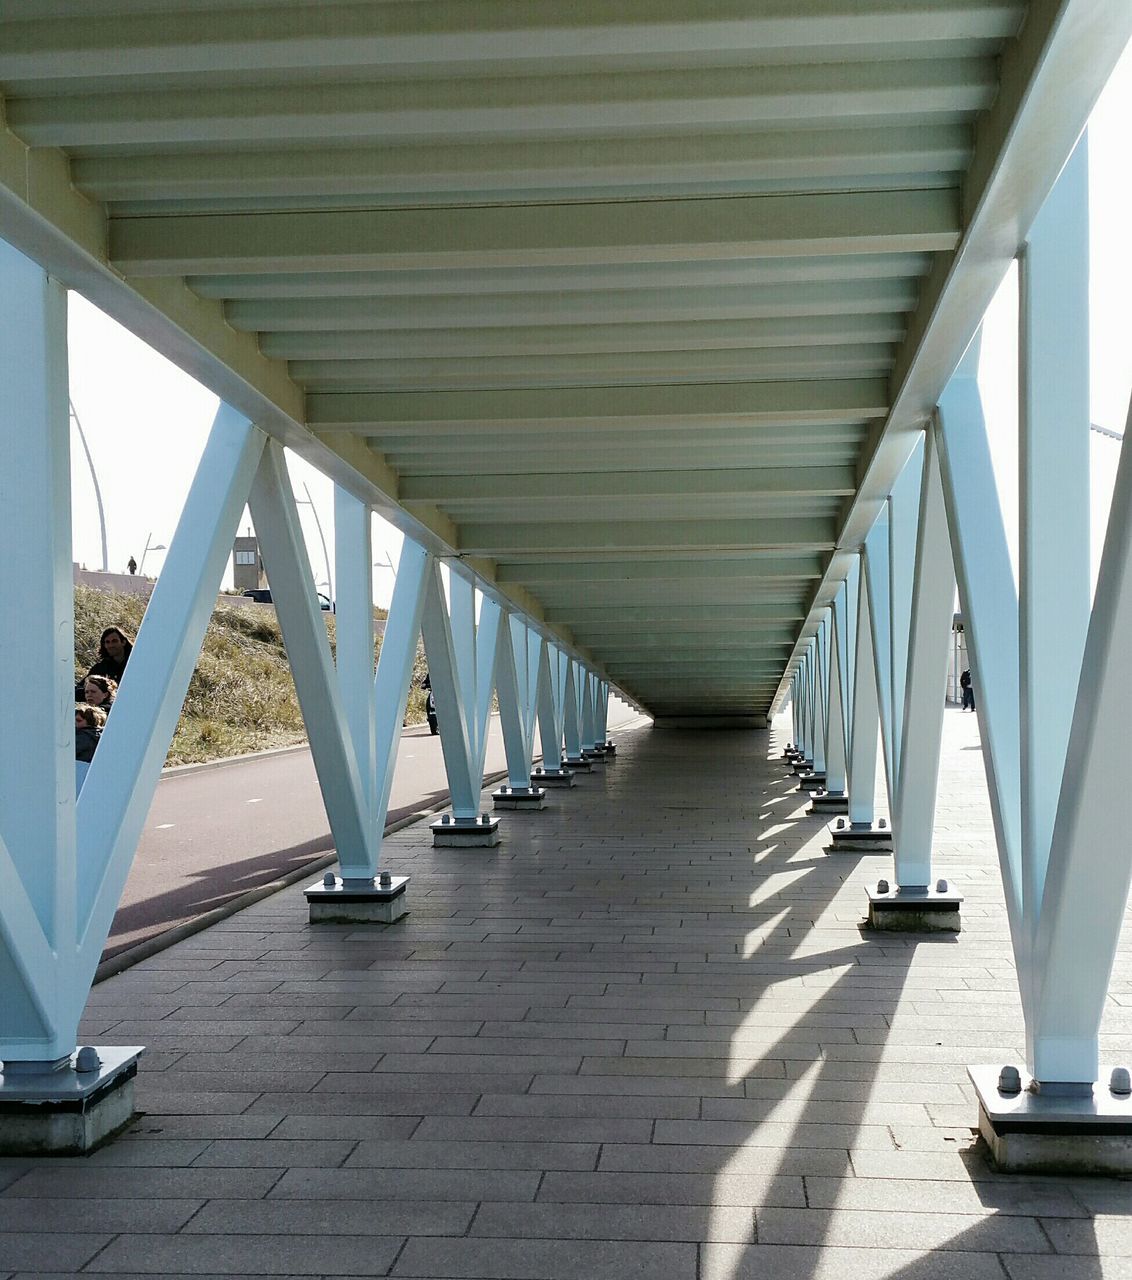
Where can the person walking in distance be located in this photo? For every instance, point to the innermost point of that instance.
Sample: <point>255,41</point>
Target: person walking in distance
<point>968,691</point>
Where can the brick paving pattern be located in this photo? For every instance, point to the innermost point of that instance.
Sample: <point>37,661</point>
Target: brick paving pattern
<point>645,1037</point>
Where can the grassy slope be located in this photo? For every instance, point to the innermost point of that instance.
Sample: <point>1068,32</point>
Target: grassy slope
<point>241,697</point>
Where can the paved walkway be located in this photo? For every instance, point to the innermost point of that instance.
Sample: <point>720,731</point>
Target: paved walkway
<point>644,1038</point>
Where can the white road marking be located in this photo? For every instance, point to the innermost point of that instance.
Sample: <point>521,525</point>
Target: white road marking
<point>257,800</point>
<point>164,826</point>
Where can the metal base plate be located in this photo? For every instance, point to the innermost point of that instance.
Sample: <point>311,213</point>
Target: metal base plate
<point>464,833</point>
<point>1035,1132</point>
<point>64,1111</point>
<point>811,782</point>
<point>859,837</point>
<point>554,778</point>
<point>352,902</point>
<point>519,798</point>
<point>828,802</point>
<point>579,764</point>
<point>802,765</point>
<point>915,910</point>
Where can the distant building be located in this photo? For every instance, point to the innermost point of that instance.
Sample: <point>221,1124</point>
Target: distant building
<point>247,565</point>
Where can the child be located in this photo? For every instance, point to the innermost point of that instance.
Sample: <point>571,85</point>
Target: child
<point>89,722</point>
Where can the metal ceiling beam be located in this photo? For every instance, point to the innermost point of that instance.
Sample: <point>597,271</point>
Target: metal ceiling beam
<point>634,231</point>
<point>692,304</point>
<point>558,164</point>
<point>747,567</point>
<point>657,368</point>
<point>176,111</point>
<point>737,482</point>
<point>603,409</point>
<point>566,284</point>
<point>89,39</point>
<point>570,538</point>
<point>513,341</point>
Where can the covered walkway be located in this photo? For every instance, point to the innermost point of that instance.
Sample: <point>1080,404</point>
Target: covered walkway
<point>644,1037</point>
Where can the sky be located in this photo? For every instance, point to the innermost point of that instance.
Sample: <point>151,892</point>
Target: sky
<point>146,421</point>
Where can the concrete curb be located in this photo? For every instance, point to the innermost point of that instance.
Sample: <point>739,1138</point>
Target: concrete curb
<point>154,946</point>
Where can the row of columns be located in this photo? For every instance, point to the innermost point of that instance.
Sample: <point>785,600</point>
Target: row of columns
<point>66,849</point>
<point>1054,685</point>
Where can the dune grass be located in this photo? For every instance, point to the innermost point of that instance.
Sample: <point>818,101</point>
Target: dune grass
<point>241,696</point>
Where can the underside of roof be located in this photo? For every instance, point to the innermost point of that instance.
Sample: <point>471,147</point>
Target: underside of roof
<point>633,307</point>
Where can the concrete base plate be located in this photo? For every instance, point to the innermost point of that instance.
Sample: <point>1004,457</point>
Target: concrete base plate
<point>579,764</point>
<point>1036,1132</point>
<point>465,833</point>
<point>859,837</point>
<point>333,900</point>
<point>828,802</point>
<point>554,778</point>
<point>64,1111</point>
<point>915,910</point>
<point>811,782</point>
<point>519,798</point>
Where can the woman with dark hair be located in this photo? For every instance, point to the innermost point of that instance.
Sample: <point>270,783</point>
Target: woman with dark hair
<point>114,649</point>
<point>99,691</point>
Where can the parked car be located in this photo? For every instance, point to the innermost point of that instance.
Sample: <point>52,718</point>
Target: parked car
<point>262,595</point>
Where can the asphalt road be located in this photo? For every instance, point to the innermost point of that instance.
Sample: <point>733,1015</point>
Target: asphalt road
<point>216,832</point>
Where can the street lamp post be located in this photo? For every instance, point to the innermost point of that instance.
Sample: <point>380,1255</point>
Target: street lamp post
<point>309,502</point>
<point>97,489</point>
<point>149,546</point>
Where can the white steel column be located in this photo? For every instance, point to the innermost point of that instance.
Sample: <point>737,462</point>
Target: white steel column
<point>925,684</point>
<point>445,675</point>
<point>572,724</point>
<point>552,706</point>
<point>395,667</point>
<point>1090,868</point>
<point>821,692</point>
<point>354,661</point>
<point>119,787</point>
<point>835,752</point>
<point>988,599</point>
<point>865,723</point>
<point>276,521</point>
<point>517,686</point>
<point>1053,501</point>
<point>905,507</point>
<point>878,596</point>
<point>41,997</point>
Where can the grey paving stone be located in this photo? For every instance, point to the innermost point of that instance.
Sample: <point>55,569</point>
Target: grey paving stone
<point>894,1195</point>
<point>153,1125</point>
<point>446,1154</point>
<point>547,1260</point>
<point>105,1217</point>
<point>159,1094</point>
<point>587,1106</point>
<point>333,1217</point>
<point>532,1129</point>
<point>673,1189</point>
<point>76,1181</point>
<point>407,1184</point>
<point>380,1102</point>
<point>28,1250</point>
<point>1107,1235</point>
<point>233,1255</point>
<point>726,1261</point>
<point>673,1158</point>
<point>272,1153</point>
<point>613,1222</point>
<point>352,1127</point>
<point>922,1231</point>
